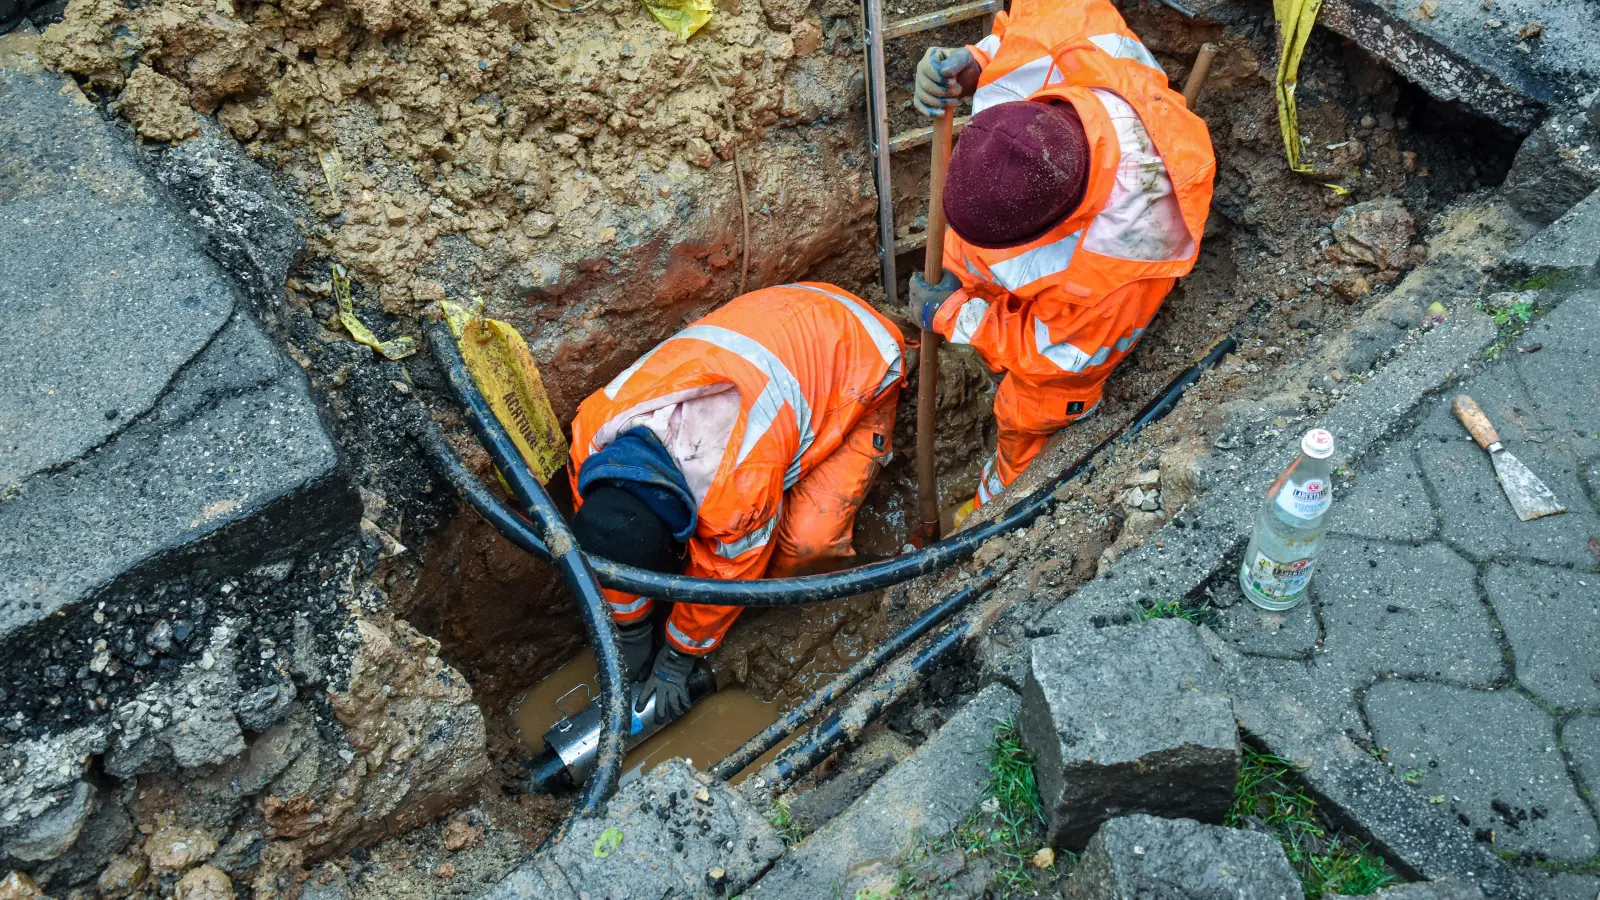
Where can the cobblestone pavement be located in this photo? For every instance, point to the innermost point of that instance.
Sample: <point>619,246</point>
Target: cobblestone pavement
<point>1466,644</point>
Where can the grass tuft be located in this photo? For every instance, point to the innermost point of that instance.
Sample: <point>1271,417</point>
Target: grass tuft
<point>788,828</point>
<point>1174,609</point>
<point>1269,794</point>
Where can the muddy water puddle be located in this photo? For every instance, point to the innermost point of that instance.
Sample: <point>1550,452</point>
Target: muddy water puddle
<point>716,726</point>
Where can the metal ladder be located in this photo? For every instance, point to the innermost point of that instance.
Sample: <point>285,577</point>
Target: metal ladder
<point>884,145</point>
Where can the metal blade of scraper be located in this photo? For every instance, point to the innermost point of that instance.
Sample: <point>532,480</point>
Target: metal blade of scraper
<point>1528,495</point>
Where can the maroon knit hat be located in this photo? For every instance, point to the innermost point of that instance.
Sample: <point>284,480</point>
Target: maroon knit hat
<point>1019,170</point>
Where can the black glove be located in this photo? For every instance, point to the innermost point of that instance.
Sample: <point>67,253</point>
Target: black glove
<point>668,683</point>
<point>924,299</point>
<point>637,640</point>
<point>939,79</point>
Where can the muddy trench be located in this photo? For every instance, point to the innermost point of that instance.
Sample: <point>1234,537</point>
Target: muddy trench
<point>468,148</point>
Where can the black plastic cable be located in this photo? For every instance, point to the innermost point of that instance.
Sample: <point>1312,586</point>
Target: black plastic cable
<point>556,540</point>
<point>784,591</point>
<point>773,734</point>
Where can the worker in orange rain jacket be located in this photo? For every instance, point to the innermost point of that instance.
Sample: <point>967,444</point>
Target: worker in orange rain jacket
<point>741,447</point>
<point>1076,197</point>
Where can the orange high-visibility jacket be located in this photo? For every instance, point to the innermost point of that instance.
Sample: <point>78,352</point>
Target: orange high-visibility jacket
<point>809,361</point>
<point>1060,312</point>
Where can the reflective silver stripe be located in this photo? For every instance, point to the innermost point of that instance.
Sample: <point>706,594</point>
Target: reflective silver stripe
<point>1040,262</point>
<point>1142,218</point>
<point>625,608</point>
<point>1069,358</point>
<point>1017,84</point>
<point>990,45</point>
<point>989,483</point>
<point>782,389</point>
<point>887,347</point>
<point>751,541</point>
<point>968,318</point>
<point>1123,47</point>
<point>685,640</point>
<point>616,384</point>
<point>1088,412</point>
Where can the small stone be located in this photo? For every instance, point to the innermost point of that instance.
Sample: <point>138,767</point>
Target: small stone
<point>173,848</point>
<point>447,870</point>
<point>204,883</point>
<point>18,886</point>
<point>1044,859</point>
<point>703,795</point>
<point>160,636</point>
<point>121,876</point>
<point>460,834</point>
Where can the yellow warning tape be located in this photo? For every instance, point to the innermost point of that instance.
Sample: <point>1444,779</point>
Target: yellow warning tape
<point>506,373</point>
<point>399,348</point>
<point>1295,18</point>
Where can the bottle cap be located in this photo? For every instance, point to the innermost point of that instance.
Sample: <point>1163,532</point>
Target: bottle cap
<point>1317,444</point>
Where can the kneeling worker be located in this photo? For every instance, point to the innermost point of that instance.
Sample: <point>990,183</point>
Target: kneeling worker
<point>741,447</point>
<point>1076,197</point>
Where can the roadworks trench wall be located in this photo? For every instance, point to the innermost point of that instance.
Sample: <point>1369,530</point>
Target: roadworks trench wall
<point>577,172</point>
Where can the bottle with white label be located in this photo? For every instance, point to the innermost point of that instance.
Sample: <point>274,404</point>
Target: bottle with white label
<point>1277,566</point>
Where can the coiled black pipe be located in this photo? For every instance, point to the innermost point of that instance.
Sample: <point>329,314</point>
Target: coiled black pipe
<point>773,734</point>
<point>562,549</point>
<point>806,589</point>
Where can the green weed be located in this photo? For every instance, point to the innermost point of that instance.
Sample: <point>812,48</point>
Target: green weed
<point>1174,609</point>
<point>1269,792</point>
<point>788,828</point>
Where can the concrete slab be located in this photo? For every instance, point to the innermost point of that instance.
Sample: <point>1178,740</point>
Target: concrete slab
<point>925,797</point>
<point>1565,885</point>
<point>1143,856</point>
<point>1443,889</point>
<point>1389,501</point>
<point>1459,54</point>
<point>1493,756</point>
<point>1571,245</point>
<point>1124,720</point>
<point>146,420</point>
<point>1392,609</point>
<point>1552,619</point>
<point>1555,168</point>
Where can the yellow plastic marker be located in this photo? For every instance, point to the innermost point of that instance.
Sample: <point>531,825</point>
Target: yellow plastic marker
<point>503,367</point>
<point>399,348</point>
<point>1295,18</point>
<point>681,17</point>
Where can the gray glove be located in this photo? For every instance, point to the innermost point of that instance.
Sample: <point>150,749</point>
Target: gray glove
<point>925,299</point>
<point>637,640</point>
<point>668,683</point>
<point>940,81</point>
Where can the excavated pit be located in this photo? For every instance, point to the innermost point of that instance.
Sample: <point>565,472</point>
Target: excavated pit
<point>474,149</point>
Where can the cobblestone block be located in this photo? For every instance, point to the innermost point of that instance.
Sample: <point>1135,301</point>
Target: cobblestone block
<point>1393,609</point>
<point>1552,618</point>
<point>1563,375</point>
<point>1565,885</point>
<point>1443,889</point>
<point>1125,720</point>
<point>1492,756</point>
<point>1180,859</point>
<point>1570,245</point>
<point>1582,738</point>
<point>1478,519</point>
<point>1290,634</point>
<point>1389,501</point>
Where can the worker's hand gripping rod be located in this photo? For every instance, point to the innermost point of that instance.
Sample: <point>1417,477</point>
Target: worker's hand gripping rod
<point>928,368</point>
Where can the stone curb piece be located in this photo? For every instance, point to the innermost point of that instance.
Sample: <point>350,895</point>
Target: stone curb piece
<point>1180,859</point>
<point>1124,720</point>
<point>925,797</point>
<point>673,833</point>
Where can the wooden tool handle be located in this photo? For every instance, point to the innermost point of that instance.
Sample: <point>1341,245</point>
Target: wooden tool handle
<point>1477,424</point>
<point>943,136</point>
<point>928,373</point>
<point>1198,74</point>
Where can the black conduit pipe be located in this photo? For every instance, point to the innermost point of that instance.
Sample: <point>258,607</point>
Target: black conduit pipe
<point>775,592</point>
<point>569,560</point>
<point>773,734</point>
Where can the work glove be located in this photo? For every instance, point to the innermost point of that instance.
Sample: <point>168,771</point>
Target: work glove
<point>939,81</point>
<point>925,299</point>
<point>668,683</point>
<point>637,640</point>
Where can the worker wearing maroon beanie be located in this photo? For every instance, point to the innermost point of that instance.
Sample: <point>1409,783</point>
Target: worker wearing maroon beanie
<point>1076,197</point>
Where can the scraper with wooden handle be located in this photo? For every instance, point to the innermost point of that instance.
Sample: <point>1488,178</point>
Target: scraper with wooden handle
<point>1528,495</point>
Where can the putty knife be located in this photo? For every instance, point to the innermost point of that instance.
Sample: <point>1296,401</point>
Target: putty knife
<point>1528,495</point>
